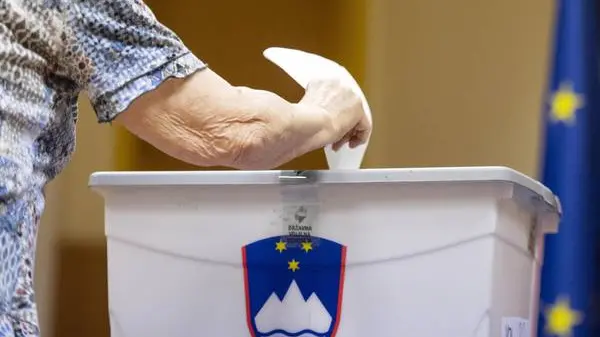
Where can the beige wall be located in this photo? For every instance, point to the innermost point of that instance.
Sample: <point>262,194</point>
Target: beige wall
<point>450,83</point>
<point>457,82</point>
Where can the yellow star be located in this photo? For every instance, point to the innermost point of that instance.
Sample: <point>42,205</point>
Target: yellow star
<point>280,246</point>
<point>306,246</point>
<point>293,265</point>
<point>564,103</point>
<point>561,319</point>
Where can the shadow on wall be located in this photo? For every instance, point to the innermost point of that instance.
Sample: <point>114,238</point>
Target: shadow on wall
<point>82,307</point>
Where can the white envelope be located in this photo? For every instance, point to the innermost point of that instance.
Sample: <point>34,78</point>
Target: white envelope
<point>304,67</point>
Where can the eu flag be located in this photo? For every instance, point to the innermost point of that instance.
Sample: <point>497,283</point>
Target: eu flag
<point>571,168</point>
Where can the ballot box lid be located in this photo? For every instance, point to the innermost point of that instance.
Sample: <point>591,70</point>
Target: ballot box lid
<point>362,176</point>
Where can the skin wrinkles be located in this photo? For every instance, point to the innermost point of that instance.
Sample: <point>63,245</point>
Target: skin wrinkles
<point>205,121</point>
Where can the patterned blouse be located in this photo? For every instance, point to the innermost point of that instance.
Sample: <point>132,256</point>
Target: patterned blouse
<point>50,51</point>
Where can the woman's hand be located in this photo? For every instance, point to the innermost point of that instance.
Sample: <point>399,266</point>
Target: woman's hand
<point>348,116</point>
<point>205,121</point>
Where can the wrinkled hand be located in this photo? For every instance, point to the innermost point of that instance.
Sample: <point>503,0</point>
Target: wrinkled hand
<point>349,122</point>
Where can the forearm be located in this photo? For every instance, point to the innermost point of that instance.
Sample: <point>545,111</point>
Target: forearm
<point>205,121</point>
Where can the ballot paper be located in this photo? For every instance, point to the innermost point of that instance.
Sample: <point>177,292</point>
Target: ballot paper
<point>304,67</point>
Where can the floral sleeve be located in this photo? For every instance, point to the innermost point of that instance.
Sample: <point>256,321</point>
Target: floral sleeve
<point>124,52</point>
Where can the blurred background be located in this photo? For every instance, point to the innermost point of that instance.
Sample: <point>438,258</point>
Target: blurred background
<point>449,82</point>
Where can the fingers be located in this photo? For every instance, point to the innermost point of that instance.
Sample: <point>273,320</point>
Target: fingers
<point>359,138</point>
<point>363,132</point>
<point>345,108</point>
<point>354,138</point>
<point>337,145</point>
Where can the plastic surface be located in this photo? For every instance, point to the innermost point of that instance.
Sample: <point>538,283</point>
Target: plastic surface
<point>421,252</point>
<point>404,175</point>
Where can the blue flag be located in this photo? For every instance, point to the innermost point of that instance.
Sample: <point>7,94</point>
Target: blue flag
<point>570,298</point>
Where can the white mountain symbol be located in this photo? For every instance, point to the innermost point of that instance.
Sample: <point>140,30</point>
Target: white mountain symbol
<point>293,314</point>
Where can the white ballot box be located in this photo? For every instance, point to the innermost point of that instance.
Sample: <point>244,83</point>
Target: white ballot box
<point>429,252</point>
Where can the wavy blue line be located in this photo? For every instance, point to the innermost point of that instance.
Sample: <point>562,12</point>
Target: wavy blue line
<point>292,334</point>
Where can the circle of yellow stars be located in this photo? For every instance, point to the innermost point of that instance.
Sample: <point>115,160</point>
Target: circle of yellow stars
<point>293,265</point>
<point>564,103</point>
<point>561,318</point>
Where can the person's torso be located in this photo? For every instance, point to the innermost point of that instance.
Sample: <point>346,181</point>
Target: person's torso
<point>37,90</point>
<point>50,50</point>
<point>38,112</point>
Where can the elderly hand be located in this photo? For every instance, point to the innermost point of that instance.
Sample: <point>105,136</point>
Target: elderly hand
<point>205,121</point>
<point>350,123</point>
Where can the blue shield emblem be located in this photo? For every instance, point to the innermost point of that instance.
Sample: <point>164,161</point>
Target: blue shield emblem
<point>294,286</point>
